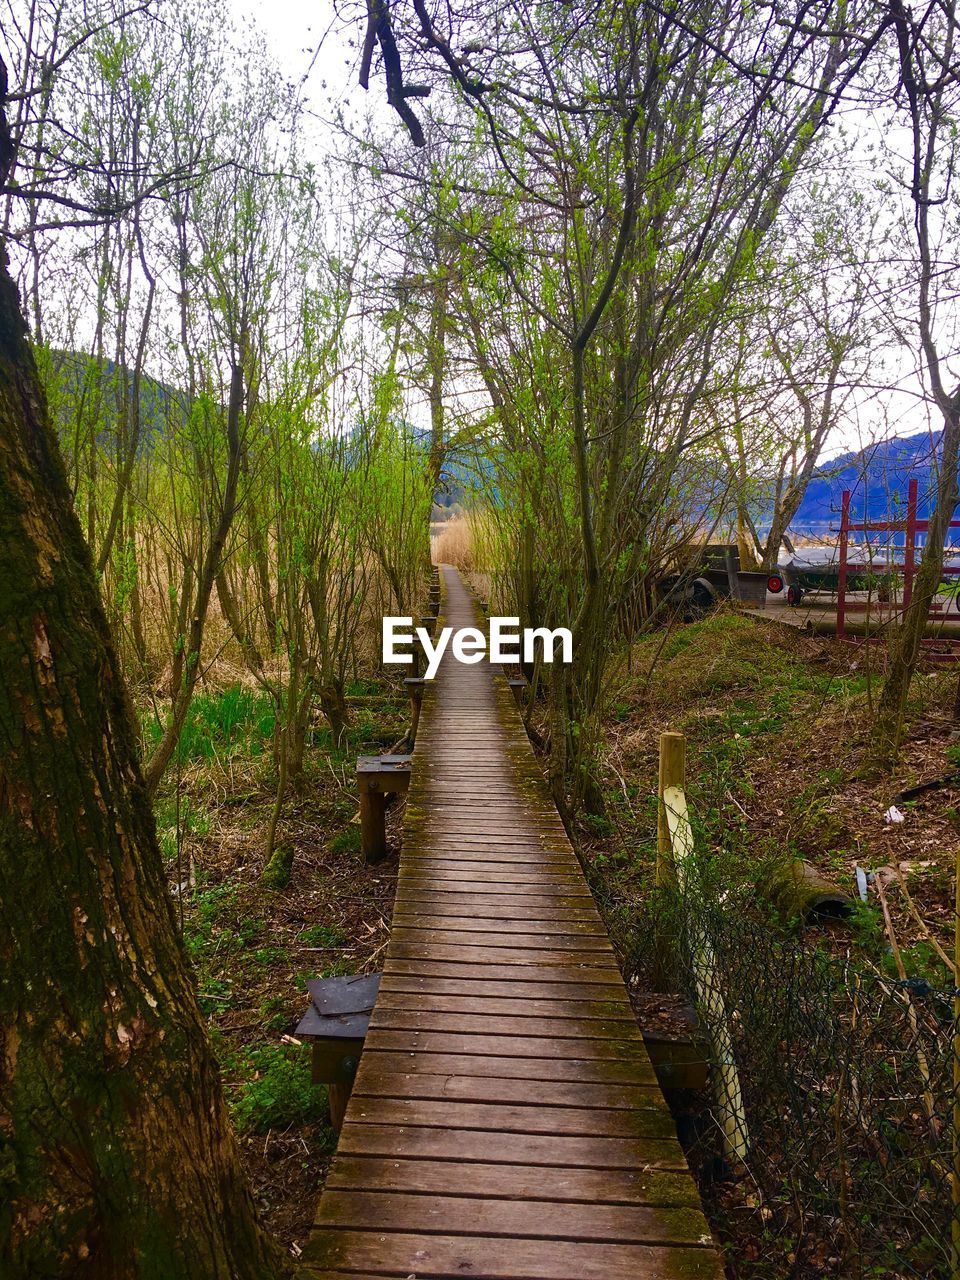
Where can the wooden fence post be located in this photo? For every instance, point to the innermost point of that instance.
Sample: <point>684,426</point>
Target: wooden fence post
<point>373,828</point>
<point>673,767</point>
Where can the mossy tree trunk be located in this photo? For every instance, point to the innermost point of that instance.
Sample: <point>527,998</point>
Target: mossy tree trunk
<point>117,1158</point>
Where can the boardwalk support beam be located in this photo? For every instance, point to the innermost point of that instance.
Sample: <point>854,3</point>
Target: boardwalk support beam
<point>336,1024</point>
<point>414,686</point>
<point>378,776</point>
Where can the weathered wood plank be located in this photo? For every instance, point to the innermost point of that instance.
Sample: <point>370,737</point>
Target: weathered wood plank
<point>505,1046</point>
<point>506,906</point>
<point>519,1182</point>
<point>547,940</point>
<point>543,1093</point>
<point>484,891</point>
<point>410,949</point>
<point>466,969</point>
<point>466,1001</point>
<point>508,909</point>
<point>394,1211</point>
<point>615,1031</point>
<point>612,995</point>
<point>491,1258</point>
<point>491,1146</point>
<point>588,1070</point>
<point>505,1118</point>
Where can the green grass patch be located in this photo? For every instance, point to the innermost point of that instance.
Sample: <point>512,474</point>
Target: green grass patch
<point>192,820</point>
<point>323,935</point>
<point>347,840</point>
<point>235,722</point>
<point>275,1090</point>
<point>210,908</point>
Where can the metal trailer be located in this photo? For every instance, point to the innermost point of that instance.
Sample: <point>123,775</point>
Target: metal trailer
<point>714,575</point>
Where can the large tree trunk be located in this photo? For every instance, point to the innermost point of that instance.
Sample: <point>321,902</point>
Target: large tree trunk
<point>117,1157</point>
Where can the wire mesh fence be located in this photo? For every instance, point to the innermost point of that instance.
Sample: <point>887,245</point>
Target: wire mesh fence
<point>846,1082</point>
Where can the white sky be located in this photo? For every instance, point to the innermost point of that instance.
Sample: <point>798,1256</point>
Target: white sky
<point>310,41</point>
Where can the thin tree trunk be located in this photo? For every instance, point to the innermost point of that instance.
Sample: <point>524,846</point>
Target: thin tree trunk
<point>906,650</point>
<point>187,665</point>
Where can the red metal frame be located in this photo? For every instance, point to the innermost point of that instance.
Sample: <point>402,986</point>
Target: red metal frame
<point>911,526</point>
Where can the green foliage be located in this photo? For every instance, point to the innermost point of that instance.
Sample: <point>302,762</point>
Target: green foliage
<point>194,820</point>
<point>210,907</point>
<point>362,688</point>
<point>214,993</point>
<point>347,840</point>
<point>275,1091</point>
<point>235,723</point>
<point>273,1015</point>
<point>866,926</point>
<point>323,935</point>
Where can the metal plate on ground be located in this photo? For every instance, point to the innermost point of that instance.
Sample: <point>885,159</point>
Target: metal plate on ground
<point>353,994</point>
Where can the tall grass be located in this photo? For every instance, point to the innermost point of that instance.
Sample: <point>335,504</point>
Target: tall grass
<point>454,544</point>
<point>233,722</point>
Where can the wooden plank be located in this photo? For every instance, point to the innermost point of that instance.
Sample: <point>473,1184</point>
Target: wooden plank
<point>610,994</point>
<point>453,844</point>
<point>449,882</point>
<point>466,1001</point>
<point>558,940</point>
<point>505,1046</point>
<point>501,827</point>
<point>518,1182</point>
<point>405,918</point>
<point>410,949</point>
<point>374,1081</point>
<point>506,905</point>
<point>430,867</point>
<point>490,1258</point>
<point>458,1145</point>
<point>482,1023</point>
<point>465,969</point>
<point>463,863</point>
<point>504,1118</point>
<point>494,901</point>
<point>457,906</point>
<point>516,1219</point>
<point>494,1066</point>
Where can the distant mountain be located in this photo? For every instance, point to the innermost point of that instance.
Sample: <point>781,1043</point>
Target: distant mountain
<point>877,478</point>
<point>86,395</point>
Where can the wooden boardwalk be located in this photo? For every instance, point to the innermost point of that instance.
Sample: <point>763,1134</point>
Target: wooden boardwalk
<point>505,1121</point>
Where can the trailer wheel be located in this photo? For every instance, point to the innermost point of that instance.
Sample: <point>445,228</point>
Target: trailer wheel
<point>701,598</point>
<point>794,596</point>
<point>775,583</point>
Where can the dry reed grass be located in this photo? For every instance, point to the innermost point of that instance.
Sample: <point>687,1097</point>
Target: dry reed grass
<point>454,544</point>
